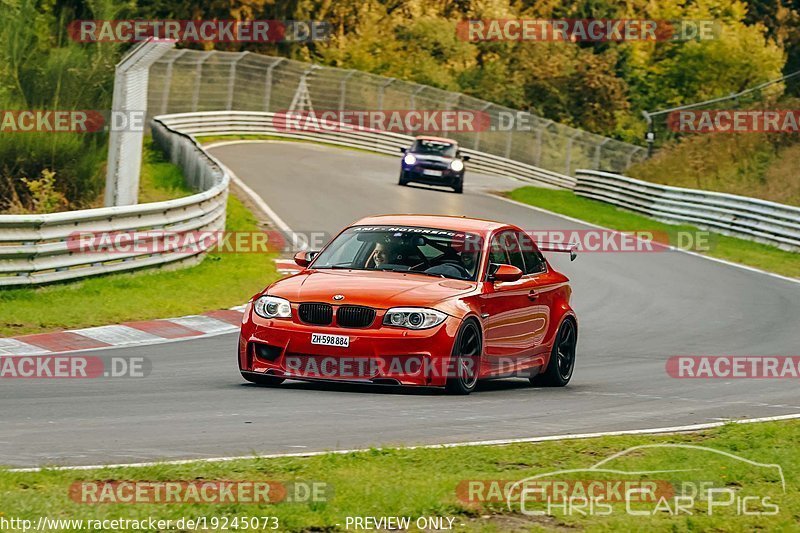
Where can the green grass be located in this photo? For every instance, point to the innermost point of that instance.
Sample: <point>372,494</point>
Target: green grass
<point>759,165</point>
<point>159,179</point>
<point>423,482</point>
<point>750,253</point>
<point>219,281</point>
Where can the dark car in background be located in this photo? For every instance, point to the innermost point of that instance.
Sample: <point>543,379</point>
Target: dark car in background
<point>433,161</point>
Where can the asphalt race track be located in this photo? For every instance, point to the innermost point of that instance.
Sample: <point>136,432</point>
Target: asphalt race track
<point>635,311</point>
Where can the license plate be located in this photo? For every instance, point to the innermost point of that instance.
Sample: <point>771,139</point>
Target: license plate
<point>341,341</point>
<point>432,172</point>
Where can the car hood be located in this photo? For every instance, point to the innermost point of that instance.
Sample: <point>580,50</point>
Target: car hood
<point>380,290</point>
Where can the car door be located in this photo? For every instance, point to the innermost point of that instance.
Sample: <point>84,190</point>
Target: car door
<point>541,296</point>
<point>506,308</point>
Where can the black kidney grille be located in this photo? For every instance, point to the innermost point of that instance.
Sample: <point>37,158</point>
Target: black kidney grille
<point>355,316</point>
<point>319,314</point>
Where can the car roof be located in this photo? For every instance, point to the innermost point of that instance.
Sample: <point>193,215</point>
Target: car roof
<point>432,138</point>
<point>454,223</point>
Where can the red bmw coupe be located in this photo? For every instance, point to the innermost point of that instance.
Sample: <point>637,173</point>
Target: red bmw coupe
<point>415,300</point>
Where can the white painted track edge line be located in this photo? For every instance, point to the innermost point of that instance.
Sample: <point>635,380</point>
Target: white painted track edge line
<point>695,254</point>
<point>496,442</point>
<point>250,193</point>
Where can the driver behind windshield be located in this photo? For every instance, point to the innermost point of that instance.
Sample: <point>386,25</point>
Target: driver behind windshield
<point>382,254</point>
<point>442,253</point>
<point>395,253</point>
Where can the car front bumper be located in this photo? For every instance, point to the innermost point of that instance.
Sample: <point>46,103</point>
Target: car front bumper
<point>378,354</point>
<point>449,178</point>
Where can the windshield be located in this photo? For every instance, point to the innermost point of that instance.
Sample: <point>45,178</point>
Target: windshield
<point>429,147</point>
<point>429,251</point>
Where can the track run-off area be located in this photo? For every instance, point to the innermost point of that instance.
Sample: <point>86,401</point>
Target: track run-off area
<point>636,310</point>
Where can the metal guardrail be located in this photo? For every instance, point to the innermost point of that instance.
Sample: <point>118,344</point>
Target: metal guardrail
<point>259,123</point>
<point>753,219</point>
<point>37,249</point>
<point>749,218</point>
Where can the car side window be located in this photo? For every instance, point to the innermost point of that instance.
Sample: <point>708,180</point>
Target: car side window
<point>504,250</point>
<point>514,253</point>
<point>534,260</point>
<point>497,254</point>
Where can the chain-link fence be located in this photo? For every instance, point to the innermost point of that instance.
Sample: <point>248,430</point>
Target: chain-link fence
<point>191,80</point>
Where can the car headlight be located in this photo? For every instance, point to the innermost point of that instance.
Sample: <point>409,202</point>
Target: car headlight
<point>413,317</point>
<point>273,307</point>
<point>409,159</point>
<point>457,165</point>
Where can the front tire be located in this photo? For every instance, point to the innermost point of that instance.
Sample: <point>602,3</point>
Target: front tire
<point>264,381</point>
<point>459,187</point>
<point>402,181</point>
<point>465,360</point>
<point>562,358</point>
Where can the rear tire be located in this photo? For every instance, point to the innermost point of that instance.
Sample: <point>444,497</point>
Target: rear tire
<point>465,359</point>
<point>562,358</point>
<point>264,381</point>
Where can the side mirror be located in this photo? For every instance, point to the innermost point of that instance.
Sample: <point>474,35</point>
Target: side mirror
<point>506,273</point>
<point>304,259</point>
<point>465,158</point>
<point>403,150</point>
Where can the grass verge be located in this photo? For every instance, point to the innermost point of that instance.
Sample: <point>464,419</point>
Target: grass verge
<point>749,253</point>
<point>219,281</point>
<point>159,179</point>
<point>425,482</point>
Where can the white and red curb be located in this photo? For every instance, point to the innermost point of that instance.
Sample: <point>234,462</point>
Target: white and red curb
<point>134,333</point>
<point>127,334</point>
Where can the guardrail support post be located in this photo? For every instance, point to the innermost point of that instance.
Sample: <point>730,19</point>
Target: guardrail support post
<point>477,142</point>
<point>268,84</point>
<point>597,150</point>
<point>343,89</point>
<point>131,79</point>
<point>539,133</point>
<point>232,81</point>
<point>413,96</point>
<point>509,139</point>
<point>381,91</point>
<point>198,82</point>
<point>568,158</point>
